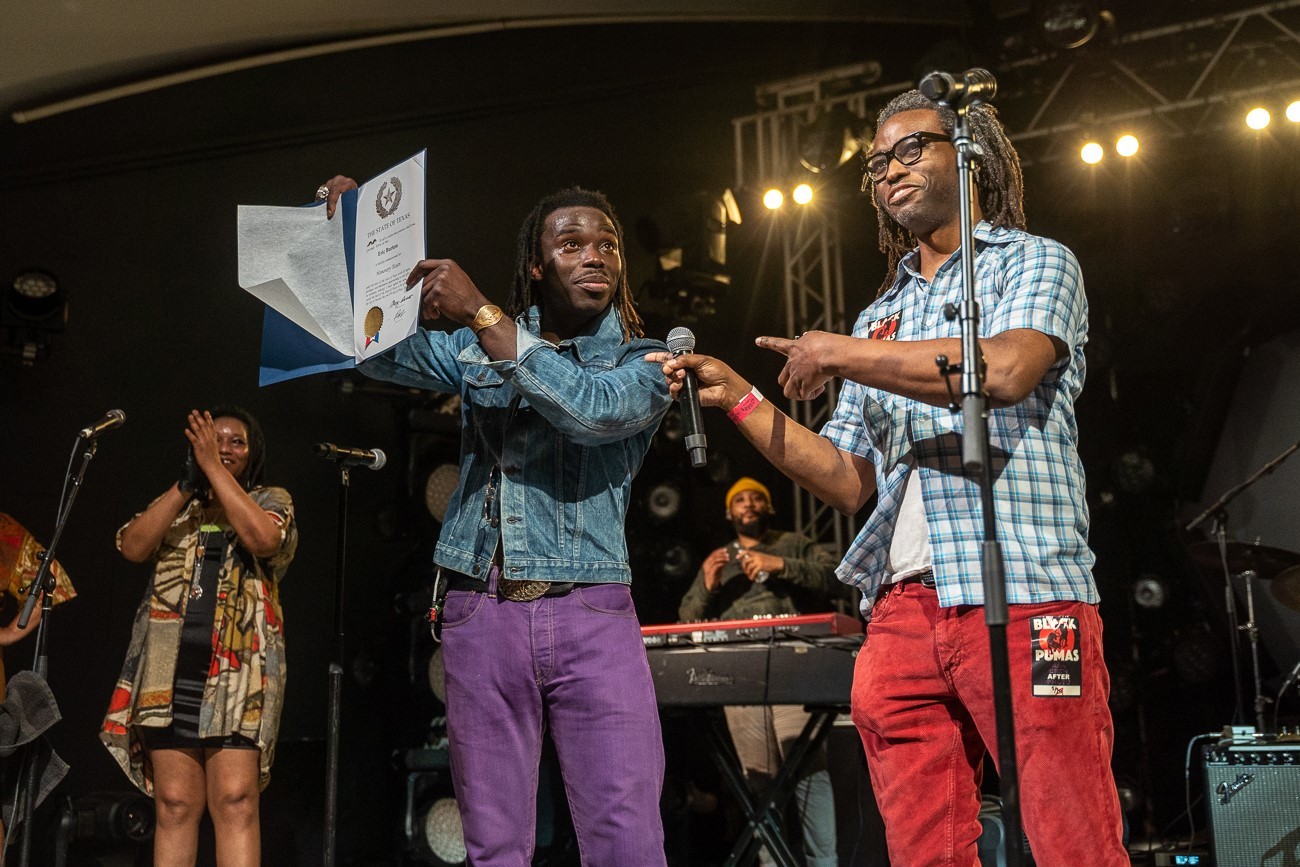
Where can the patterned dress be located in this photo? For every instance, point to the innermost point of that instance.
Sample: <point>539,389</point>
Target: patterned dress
<point>244,691</point>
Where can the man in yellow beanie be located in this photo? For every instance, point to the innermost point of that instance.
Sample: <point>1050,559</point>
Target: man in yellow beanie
<point>763,572</point>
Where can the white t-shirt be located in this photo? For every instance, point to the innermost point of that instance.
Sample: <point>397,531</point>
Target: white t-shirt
<point>909,550</point>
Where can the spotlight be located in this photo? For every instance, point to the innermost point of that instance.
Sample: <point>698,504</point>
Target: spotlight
<point>1091,153</point>
<point>438,488</point>
<point>664,501</point>
<point>830,140</point>
<point>33,306</point>
<point>1134,473</point>
<point>671,430</point>
<point>1130,794</point>
<point>37,288</point>
<point>676,562</point>
<point>1293,112</point>
<point>1126,145</point>
<point>437,674</point>
<point>106,816</point>
<point>1258,118</point>
<point>1123,687</point>
<point>443,832</point>
<point>773,199</point>
<point>1068,23</point>
<point>1196,658</point>
<point>1149,592</point>
<point>802,194</point>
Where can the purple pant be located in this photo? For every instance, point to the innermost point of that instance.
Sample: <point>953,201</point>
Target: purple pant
<point>574,664</point>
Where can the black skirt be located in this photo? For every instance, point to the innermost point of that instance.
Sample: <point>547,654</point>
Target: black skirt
<point>193,664</point>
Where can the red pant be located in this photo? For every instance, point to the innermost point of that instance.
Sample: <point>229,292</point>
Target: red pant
<point>923,704</point>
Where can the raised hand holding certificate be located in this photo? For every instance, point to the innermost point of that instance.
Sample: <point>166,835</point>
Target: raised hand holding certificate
<point>336,289</point>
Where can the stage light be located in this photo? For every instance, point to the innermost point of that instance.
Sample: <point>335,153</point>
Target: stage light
<point>1091,153</point>
<point>664,501</point>
<point>802,194</point>
<point>676,562</point>
<point>672,430</point>
<point>831,139</point>
<point>443,832</point>
<point>1293,112</point>
<point>36,285</point>
<point>1197,657</point>
<point>773,199</point>
<point>106,816</point>
<point>1149,592</point>
<point>1134,473</point>
<point>438,488</point>
<point>437,674</point>
<point>1068,23</point>
<point>1126,145</point>
<point>32,307</point>
<point>1258,118</point>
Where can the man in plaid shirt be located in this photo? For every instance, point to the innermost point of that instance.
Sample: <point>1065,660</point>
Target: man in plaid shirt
<point>922,691</point>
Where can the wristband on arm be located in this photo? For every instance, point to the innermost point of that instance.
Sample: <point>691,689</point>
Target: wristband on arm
<point>747,404</point>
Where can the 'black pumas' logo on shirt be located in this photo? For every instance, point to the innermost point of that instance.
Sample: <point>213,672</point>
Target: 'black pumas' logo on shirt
<point>886,328</point>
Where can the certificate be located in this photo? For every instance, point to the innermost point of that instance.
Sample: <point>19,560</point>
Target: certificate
<point>335,290</point>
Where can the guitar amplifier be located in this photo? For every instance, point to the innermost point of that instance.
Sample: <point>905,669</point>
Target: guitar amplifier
<point>1253,792</point>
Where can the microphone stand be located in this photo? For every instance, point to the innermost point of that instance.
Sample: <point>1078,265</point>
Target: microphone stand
<point>333,723</point>
<point>1231,493</point>
<point>42,587</point>
<point>1219,530</point>
<point>975,458</point>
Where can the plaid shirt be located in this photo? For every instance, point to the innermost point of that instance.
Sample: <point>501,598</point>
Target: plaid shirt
<point>1023,281</point>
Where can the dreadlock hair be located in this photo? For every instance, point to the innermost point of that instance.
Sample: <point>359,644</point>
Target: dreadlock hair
<point>1000,184</point>
<point>526,292</point>
<point>256,468</point>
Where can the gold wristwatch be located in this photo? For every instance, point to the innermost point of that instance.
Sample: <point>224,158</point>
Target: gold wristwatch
<point>487,316</point>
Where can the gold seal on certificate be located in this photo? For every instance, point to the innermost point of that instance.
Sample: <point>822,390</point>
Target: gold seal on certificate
<point>374,321</point>
<point>388,197</point>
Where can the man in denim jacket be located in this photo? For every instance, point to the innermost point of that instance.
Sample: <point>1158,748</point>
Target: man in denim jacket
<point>538,627</point>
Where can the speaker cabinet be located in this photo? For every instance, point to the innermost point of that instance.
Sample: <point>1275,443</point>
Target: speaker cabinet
<point>1253,794</point>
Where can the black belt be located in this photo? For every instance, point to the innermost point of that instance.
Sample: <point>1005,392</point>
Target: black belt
<point>461,581</point>
<point>926,579</point>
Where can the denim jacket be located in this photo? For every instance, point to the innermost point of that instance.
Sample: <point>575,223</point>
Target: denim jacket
<point>549,445</point>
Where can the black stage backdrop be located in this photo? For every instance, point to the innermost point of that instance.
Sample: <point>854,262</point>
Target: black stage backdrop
<point>132,205</point>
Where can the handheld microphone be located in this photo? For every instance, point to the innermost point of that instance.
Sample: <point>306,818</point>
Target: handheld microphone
<point>371,460</point>
<point>113,418</point>
<point>680,342</point>
<point>975,85</point>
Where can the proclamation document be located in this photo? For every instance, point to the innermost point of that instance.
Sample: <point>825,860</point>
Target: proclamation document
<point>336,289</point>
<point>389,241</point>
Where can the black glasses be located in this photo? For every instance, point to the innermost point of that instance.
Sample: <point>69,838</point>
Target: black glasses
<point>907,150</point>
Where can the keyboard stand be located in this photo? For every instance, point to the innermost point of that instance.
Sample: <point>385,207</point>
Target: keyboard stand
<point>765,816</point>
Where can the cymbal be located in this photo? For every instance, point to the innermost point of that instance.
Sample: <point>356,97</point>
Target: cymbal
<point>1266,562</point>
<point>1286,588</point>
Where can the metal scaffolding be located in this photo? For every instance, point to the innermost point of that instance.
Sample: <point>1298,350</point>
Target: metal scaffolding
<point>812,266</point>
<point>1178,80</point>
